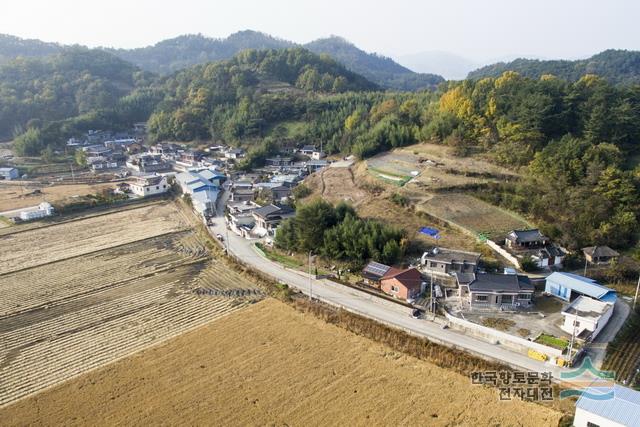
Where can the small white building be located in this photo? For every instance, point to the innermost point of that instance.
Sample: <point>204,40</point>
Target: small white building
<point>9,173</point>
<point>44,209</point>
<point>235,153</point>
<point>586,316</point>
<point>151,185</point>
<point>317,155</point>
<point>611,406</point>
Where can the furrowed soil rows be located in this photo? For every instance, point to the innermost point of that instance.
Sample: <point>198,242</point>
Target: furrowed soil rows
<point>40,246</point>
<point>271,365</point>
<point>132,287</point>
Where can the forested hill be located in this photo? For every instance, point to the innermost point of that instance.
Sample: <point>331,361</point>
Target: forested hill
<point>182,52</point>
<point>176,54</point>
<point>241,97</point>
<point>35,91</point>
<point>616,66</point>
<point>379,69</point>
<point>12,47</point>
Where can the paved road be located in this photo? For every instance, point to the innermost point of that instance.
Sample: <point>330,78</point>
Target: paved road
<point>373,308</point>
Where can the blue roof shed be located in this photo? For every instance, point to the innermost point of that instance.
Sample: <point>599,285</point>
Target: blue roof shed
<point>563,285</point>
<point>595,407</point>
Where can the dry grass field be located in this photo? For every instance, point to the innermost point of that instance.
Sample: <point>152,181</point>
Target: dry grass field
<point>472,214</point>
<point>16,196</point>
<point>268,364</point>
<point>112,285</point>
<point>42,245</point>
<point>437,165</point>
<point>349,184</point>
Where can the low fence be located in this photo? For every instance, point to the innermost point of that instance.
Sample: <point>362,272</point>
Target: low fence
<point>516,343</point>
<point>513,260</point>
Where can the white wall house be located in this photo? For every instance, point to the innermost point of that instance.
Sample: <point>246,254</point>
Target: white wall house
<point>586,316</point>
<point>44,209</point>
<point>144,186</point>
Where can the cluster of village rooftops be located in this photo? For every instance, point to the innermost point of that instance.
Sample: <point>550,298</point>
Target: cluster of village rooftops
<point>456,275</point>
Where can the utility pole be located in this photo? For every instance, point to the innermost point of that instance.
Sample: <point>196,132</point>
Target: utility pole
<point>431,301</point>
<point>310,280</point>
<point>573,336</point>
<point>585,266</point>
<point>73,175</point>
<point>636,297</point>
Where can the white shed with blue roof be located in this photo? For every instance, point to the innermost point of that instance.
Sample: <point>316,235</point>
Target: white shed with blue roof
<point>598,407</point>
<point>566,285</point>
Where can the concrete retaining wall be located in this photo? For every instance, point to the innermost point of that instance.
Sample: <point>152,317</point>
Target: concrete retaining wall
<point>513,260</point>
<point>516,343</point>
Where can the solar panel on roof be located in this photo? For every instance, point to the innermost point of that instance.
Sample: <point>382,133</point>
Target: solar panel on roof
<point>376,268</point>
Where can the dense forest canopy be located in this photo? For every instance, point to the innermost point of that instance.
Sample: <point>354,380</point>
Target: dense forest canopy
<point>169,56</point>
<point>47,100</point>
<point>245,96</point>
<point>616,66</point>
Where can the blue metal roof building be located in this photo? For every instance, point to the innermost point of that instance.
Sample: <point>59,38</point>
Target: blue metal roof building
<point>563,285</point>
<point>623,409</point>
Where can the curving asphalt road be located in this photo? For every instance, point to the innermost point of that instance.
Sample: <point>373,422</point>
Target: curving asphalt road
<point>372,307</point>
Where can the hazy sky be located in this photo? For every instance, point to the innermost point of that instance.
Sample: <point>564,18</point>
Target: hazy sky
<point>477,29</point>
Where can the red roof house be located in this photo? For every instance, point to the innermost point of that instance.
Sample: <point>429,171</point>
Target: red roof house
<point>403,284</point>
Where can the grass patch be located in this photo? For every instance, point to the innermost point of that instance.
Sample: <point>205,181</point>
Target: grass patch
<point>498,323</point>
<point>275,256</point>
<point>551,341</point>
<point>524,332</point>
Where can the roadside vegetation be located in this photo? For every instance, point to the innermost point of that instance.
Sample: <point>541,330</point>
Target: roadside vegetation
<point>338,233</point>
<point>623,353</point>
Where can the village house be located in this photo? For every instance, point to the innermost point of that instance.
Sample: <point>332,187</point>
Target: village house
<point>537,246</point>
<point>446,262</point>
<point>119,144</point>
<point>234,153</point>
<point>586,317</point>
<point>148,163</point>
<point>406,284</point>
<point>497,292</point>
<point>240,218</point>
<point>526,239</point>
<point>317,155</point>
<point>308,150</point>
<point>315,165</point>
<point>44,209</point>
<point>280,192</point>
<point>568,286</point>
<point>269,217</point>
<point>278,161</point>
<point>150,185</point>
<point>96,150</point>
<point>242,195</point>
<point>600,254</point>
<point>204,189</point>
<point>9,173</point>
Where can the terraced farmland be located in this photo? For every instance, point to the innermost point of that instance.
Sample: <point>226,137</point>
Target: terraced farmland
<point>103,295</point>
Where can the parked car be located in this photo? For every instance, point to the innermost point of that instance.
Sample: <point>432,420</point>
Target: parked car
<point>219,237</point>
<point>417,313</point>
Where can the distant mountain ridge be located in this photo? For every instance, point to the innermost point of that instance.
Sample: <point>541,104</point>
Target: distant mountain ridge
<point>171,55</point>
<point>616,66</point>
